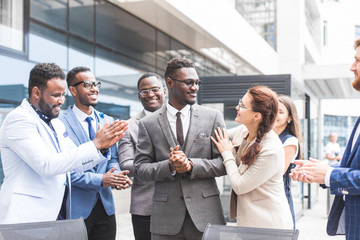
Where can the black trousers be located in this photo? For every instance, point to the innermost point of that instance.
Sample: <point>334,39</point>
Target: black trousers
<point>99,225</point>
<point>141,227</point>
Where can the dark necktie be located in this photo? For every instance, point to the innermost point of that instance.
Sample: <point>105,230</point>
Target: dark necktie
<point>179,129</point>
<point>91,129</point>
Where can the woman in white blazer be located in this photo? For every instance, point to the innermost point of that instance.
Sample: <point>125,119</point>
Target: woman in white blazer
<point>254,162</point>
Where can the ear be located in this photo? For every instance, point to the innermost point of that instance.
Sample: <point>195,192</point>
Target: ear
<point>73,91</point>
<point>164,91</point>
<point>169,82</point>
<point>139,96</point>
<point>257,117</point>
<point>36,93</point>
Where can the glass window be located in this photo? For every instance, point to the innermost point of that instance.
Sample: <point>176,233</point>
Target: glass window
<point>41,38</point>
<point>81,18</point>
<point>12,24</point>
<point>124,33</point>
<point>81,53</point>
<point>51,12</point>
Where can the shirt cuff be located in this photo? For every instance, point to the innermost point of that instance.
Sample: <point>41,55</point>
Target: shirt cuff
<point>327,177</point>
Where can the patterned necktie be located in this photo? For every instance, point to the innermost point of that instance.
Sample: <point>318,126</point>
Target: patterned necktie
<point>179,129</point>
<point>91,129</point>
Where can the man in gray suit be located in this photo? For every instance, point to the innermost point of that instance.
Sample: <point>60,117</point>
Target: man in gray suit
<point>174,150</point>
<point>151,93</point>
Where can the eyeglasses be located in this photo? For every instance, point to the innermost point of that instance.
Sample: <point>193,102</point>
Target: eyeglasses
<point>146,92</point>
<point>188,83</point>
<point>241,105</point>
<point>88,84</point>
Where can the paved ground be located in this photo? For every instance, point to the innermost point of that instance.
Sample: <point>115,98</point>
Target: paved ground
<point>311,226</point>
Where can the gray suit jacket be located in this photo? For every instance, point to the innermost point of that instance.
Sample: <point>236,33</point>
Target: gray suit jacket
<point>195,192</point>
<point>141,191</point>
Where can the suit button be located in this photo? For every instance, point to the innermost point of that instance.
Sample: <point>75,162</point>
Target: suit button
<point>344,192</point>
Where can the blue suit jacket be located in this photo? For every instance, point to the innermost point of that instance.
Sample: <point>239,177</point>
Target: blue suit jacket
<point>86,186</point>
<point>345,180</point>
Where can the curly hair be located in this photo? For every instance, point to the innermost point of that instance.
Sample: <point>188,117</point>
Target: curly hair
<point>71,76</point>
<point>42,73</point>
<point>177,63</point>
<point>265,101</point>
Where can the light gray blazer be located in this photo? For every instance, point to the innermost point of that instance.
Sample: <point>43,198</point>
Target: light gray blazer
<point>141,191</point>
<point>195,192</point>
<point>36,167</point>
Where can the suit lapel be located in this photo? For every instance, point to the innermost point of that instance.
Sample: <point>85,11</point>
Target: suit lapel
<point>26,105</point>
<point>139,116</point>
<point>349,154</point>
<point>165,126</point>
<point>76,127</point>
<point>193,129</point>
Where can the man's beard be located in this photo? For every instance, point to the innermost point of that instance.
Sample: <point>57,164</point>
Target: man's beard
<point>356,83</point>
<point>46,109</point>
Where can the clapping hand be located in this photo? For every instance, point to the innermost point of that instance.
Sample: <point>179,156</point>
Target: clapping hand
<point>178,161</point>
<point>108,135</point>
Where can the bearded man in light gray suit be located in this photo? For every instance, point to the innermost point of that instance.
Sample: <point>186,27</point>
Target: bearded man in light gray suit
<point>151,93</point>
<point>174,150</point>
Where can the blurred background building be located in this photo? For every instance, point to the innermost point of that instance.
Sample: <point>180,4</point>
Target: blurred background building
<point>303,48</point>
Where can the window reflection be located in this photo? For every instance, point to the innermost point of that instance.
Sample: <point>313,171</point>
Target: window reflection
<point>11,24</point>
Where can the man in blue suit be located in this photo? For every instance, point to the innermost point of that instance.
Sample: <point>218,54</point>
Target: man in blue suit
<point>343,181</point>
<point>91,190</point>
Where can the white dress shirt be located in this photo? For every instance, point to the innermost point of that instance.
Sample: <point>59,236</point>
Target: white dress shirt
<point>81,116</point>
<point>185,118</point>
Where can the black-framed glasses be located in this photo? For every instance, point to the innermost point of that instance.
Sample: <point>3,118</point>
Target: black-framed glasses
<point>146,92</point>
<point>241,105</point>
<point>188,83</point>
<point>88,84</point>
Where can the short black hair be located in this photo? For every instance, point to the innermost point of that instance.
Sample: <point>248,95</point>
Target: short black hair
<point>149,74</point>
<point>71,76</point>
<point>42,73</point>
<point>177,63</point>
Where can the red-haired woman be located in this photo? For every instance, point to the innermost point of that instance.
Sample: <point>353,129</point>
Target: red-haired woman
<point>254,162</point>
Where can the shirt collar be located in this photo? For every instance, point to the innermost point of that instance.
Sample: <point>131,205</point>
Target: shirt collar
<point>42,116</point>
<point>81,115</point>
<point>185,110</point>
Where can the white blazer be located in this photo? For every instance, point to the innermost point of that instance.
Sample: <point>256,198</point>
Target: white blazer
<point>36,167</point>
<point>257,191</point>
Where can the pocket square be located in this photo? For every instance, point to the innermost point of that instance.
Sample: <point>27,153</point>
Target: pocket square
<point>202,135</point>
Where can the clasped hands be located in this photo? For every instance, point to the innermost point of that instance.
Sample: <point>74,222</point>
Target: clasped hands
<point>178,161</point>
<point>108,135</point>
<point>118,180</point>
<point>309,171</point>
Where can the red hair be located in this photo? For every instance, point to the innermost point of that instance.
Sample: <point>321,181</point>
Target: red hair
<point>265,101</point>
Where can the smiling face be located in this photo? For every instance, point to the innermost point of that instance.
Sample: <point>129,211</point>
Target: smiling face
<point>51,98</point>
<point>282,117</point>
<point>84,98</point>
<point>151,100</point>
<point>180,94</point>
<point>355,68</point>
<point>244,113</point>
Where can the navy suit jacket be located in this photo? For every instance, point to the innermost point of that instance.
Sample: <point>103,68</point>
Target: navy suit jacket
<point>345,180</point>
<point>87,186</point>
